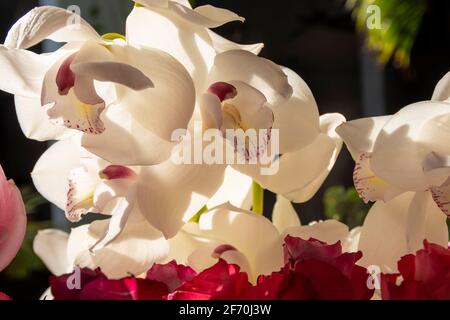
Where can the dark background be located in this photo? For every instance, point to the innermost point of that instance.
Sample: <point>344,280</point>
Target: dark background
<point>315,38</point>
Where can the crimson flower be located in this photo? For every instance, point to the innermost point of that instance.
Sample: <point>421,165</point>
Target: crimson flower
<point>94,285</point>
<point>222,281</point>
<point>423,276</point>
<point>314,270</point>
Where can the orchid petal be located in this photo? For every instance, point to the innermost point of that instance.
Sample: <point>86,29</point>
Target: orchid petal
<point>169,194</point>
<point>369,186</point>
<point>351,243</point>
<point>284,215</point>
<point>133,252</point>
<point>260,73</point>
<point>442,90</point>
<point>211,111</point>
<point>315,160</point>
<point>188,43</point>
<point>25,71</point>
<point>437,168</point>
<point>441,196</point>
<point>134,144</point>
<point>329,231</point>
<point>360,135</point>
<point>52,169</point>
<point>388,227</point>
<point>236,189</point>
<point>249,233</point>
<point>80,195</point>
<point>185,242</point>
<point>51,246</point>
<point>119,217</point>
<point>405,141</point>
<point>167,106</point>
<point>208,255</point>
<point>207,16</point>
<point>49,22</point>
<point>221,44</point>
<point>298,118</point>
<point>34,121</point>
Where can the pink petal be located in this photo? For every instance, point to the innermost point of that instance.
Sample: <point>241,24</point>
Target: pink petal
<point>4,297</point>
<point>13,220</point>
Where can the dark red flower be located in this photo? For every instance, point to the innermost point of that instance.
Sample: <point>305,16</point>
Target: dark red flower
<point>425,275</point>
<point>222,281</point>
<point>315,270</point>
<point>94,285</point>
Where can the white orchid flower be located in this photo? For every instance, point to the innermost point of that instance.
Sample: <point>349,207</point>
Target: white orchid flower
<point>104,89</point>
<point>303,135</point>
<point>259,98</point>
<point>247,239</point>
<point>402,161</point>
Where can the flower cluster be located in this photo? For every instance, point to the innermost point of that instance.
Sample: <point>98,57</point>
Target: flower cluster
<point>312,270</point>
<point>129,114</point>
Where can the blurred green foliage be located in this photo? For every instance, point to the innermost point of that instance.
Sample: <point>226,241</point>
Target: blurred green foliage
<point>31,198</point>
<point>400,23</point>
<point>345,205</point>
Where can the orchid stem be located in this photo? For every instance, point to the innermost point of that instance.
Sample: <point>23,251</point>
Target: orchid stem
<point>258,198</point>
<point>196,217</point>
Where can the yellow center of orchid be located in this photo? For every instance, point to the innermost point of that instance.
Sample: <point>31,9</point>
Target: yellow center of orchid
<point>113,36</point>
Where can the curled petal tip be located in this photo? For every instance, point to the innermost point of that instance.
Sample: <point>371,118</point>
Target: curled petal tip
<point>222,249</point>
